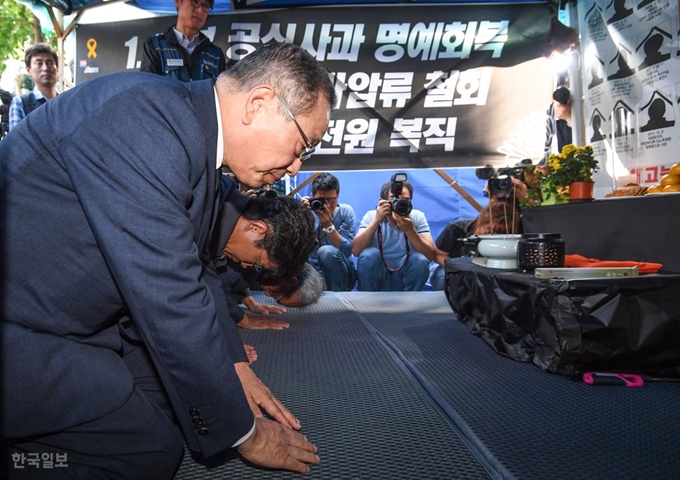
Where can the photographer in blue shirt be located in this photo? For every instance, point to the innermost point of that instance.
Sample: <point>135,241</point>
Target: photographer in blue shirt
<point>334,231</point>
<point>394,245</point>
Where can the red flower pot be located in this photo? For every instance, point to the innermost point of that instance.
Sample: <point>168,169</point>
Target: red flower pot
<point>581,191</point>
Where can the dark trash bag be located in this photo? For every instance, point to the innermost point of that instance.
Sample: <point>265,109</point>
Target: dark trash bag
<point>570,327</point>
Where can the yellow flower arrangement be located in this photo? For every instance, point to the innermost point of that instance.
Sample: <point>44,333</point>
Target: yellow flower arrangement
<point>573,164</point>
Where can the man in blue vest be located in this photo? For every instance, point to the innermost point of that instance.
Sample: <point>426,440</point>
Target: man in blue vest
<point>183,52</point>
<point>41,64</point>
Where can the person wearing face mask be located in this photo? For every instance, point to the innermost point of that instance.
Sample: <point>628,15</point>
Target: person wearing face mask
<point>183,52</point>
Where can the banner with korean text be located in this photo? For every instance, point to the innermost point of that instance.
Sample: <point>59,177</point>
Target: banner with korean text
<point>435,86</point>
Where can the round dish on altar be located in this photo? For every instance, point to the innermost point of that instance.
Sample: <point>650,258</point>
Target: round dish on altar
<point>500,251</point>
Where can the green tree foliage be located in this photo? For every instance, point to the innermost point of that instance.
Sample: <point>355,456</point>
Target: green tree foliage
<point>20,29</point>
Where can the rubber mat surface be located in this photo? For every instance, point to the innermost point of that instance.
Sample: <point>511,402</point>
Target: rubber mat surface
<point>529,424</point>
<point>355,399</point>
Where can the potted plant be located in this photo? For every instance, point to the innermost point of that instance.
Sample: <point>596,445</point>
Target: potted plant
<point>569,175</point>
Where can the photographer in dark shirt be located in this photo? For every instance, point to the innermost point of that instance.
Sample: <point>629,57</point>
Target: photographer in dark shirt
<point>457,238</point>
<point>504,188</point>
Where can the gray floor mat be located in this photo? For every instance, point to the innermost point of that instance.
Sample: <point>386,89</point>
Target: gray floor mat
<point>534,424</point>
<point>355,400</point>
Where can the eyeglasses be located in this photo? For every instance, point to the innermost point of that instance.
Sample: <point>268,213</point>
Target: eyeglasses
<point>257,267</point>
<point>206,7</point>
<point>307,151</point>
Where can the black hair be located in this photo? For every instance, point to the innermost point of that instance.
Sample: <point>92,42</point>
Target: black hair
<point>562,95</point>
<point>210,2</point>
<point>290,233</point>
<point>325,182</point>
<point>40,48</point>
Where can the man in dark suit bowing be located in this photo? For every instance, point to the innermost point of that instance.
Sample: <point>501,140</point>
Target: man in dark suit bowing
<point>108,198</point>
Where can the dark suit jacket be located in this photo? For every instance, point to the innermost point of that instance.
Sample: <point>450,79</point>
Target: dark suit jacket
<point>107,197</point>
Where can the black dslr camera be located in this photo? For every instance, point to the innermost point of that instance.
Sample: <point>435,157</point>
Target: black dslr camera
<point>317,204</point>
<point>500,182</point>
<point>399,206</point>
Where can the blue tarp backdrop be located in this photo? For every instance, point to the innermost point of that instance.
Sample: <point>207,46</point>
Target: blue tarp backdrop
<point>432,195</point>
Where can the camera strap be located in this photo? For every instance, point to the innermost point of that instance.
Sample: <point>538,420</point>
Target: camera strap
<point>380,247</point>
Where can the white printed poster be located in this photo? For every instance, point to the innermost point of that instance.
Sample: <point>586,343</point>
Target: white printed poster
<point>631,86</point>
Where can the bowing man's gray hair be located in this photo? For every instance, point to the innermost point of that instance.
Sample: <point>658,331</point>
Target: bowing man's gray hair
<point>297,77</point>
<point>311,285</point>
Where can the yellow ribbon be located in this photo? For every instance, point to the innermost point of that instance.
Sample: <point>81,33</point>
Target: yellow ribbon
<point>92,48</point>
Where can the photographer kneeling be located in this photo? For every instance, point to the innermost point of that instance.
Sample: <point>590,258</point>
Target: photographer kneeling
<point>393,245</point>
<point>334,231</point>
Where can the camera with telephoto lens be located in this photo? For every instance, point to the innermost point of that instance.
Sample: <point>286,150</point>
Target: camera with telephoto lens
<point>265,193</point>
<point>500,182</point>
<point>400,206</point>
<point>318,204</point>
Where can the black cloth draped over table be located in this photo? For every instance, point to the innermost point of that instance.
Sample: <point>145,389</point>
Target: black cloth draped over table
<point>570,327</point>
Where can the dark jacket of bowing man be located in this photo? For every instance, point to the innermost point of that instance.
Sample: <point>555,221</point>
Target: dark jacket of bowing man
<point>105,218</point>
<point>107,200</point>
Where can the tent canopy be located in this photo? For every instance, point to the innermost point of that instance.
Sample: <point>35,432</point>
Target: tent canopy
<point>221,6</point>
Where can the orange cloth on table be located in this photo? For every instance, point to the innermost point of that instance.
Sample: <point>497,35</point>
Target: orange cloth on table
<point>578,261</point>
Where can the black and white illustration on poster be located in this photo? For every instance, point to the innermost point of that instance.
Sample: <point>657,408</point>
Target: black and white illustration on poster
<point>630,57</point>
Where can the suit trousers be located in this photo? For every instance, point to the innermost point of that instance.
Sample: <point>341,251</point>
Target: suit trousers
<point>138,440</point>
